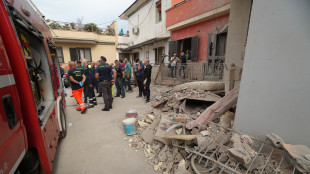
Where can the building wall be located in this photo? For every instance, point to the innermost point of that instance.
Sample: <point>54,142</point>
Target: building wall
<point>97,50</point>
<point>173,2</point>
<point>150,49</point>
<point>236,41</point>
<point>82,35</point>
<point>192,8</point>
<point>145,20</point>
<point>274,95</point>
<point>202,30</point>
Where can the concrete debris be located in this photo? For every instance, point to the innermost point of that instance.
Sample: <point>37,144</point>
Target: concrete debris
<point>240,154</point>
<point>180,126</point>
<point>152,117</point>
<point>179,131</point>
<point>205,133</point>
<point>221,106</point>
<point>300,156</point>
<point>203,85</point>
<point>148,135</point>
<point>142,123</point>
<point>226,121</point>
<point>158,166</point>
<point>276,140</point>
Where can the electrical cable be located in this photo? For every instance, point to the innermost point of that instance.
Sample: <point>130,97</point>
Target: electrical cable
<point>145,16</point>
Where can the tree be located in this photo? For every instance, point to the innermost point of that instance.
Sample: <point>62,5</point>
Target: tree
<point>55,25</point>
<point>91,27</point>
<point>72,25</point>
<point>66,27</point>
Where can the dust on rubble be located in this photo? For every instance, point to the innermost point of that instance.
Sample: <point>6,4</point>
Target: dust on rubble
<point>212,147</point>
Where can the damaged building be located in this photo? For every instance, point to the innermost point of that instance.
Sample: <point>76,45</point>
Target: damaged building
<point>256,120</point>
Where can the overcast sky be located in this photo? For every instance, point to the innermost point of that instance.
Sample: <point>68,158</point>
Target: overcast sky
<point>95,11</point>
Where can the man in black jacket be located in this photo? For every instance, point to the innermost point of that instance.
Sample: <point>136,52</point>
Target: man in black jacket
<point>147,79</point>
<point>89,72</point>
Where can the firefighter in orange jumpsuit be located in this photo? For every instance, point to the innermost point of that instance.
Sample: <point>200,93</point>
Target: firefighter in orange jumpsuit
<point>77,79</point>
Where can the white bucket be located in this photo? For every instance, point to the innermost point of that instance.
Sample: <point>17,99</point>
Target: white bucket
<point>130,126</point>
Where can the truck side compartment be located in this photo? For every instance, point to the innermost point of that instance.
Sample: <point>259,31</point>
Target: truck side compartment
<point>27,41</point>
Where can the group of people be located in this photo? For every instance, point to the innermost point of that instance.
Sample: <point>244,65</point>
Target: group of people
<point>183,64</point>
<point>86,77</point>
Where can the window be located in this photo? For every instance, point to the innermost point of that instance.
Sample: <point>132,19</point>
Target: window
<point>158,12</point>
<point>59,55</point>
<point>187,44</point>
<point>220,44</point>
<point>80,53</point>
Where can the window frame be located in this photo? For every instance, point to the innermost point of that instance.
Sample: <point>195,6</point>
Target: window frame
<point>78,54</point>
<point>62,54</point>
<point>158,15</point>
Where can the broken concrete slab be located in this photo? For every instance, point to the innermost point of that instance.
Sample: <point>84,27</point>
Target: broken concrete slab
<point>221,106</point>
<point>203,85</point>
<point>207,96</point>
<point>300,155</point>
<point>240,154</point>
<point>148,135</point>
<point>276,140</point>
<point>162,157</point>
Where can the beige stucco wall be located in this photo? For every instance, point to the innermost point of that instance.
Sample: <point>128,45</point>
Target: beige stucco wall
<point>100,45</point>
<point>97,50</point>
<point>73,34</point>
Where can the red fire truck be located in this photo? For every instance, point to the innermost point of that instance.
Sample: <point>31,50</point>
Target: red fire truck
<point>32,101</point>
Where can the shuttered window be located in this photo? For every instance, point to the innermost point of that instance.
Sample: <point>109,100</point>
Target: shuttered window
<point>194,48</point>
<point>173,48</point>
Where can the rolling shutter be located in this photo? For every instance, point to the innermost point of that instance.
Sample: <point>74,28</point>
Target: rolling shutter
<point>173,48</point>
<point>194,47</point>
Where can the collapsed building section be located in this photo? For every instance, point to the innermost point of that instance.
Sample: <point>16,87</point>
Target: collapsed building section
<point>190,130</point>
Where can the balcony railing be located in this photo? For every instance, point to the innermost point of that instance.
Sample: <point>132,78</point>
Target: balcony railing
<point>193,72</point>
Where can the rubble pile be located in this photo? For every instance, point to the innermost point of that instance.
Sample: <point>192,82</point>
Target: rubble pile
<point>208,147</point>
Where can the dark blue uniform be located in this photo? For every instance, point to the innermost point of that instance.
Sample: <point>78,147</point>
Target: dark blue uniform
<point>147,75</point>
<point>104,70</point>
<point>90,80</point>
<point>139,75</point>
<point>120,81</point>
<point>77,74</point>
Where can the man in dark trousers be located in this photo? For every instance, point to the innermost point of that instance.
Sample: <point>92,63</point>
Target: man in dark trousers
<point>89,84</point>
<point>120,79</point>
<point>147,79</point>
<point>103,74</point>
<point>128,75</point>
<point>183,65</point>
<point>139,70</point>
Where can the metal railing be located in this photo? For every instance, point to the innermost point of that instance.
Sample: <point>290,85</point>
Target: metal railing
<point>193,71</point>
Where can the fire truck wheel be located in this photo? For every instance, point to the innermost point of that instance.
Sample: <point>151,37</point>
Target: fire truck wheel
<point>63,123</point>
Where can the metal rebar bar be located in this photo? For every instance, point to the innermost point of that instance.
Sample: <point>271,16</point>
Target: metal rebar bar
<point>261,147</point>
<point>293,172</point>
<point>221,143</point>
<point>225,165</point>
<point>220,164</point>
<point>280,162</point>
<point>267,160</point>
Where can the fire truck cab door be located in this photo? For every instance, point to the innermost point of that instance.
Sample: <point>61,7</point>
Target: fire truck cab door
<point>13,145</point>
